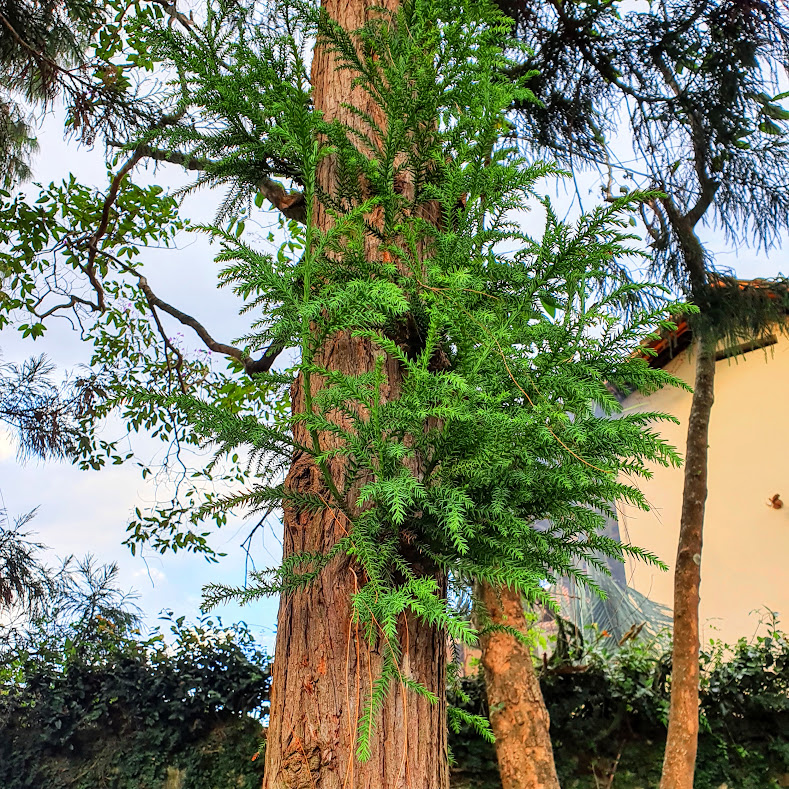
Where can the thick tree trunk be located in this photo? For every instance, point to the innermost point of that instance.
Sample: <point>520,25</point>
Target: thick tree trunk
<point>683,728</point>
<point>323,669</point>
<point>518,715</point>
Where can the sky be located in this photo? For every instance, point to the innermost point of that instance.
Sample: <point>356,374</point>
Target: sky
<point>83,512</point>
<point>87,512</point>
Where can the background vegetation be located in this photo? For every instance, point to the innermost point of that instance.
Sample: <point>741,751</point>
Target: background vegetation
<point>100,707</point>
<point>609,709</point>
<point>87,701</point>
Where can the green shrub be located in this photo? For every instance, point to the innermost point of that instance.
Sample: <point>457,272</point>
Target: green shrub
<point>110,709</point>
<point>113,710</point>
<point>609,709</point>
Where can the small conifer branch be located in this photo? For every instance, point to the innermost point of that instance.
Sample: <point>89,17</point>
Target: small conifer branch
<point>606,69</point>
<point>41,57</point>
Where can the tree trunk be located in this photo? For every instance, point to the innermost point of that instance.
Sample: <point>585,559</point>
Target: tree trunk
<point>683,727</point>
<point>518,715</point>
<point>323,668</point>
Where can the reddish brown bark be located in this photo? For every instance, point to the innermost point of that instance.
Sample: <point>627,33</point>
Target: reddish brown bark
<point>323,669</point>
<point>683,728</point>
<point>518,715</point>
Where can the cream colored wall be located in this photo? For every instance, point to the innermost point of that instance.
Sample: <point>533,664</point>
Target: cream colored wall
<point>746,543</point>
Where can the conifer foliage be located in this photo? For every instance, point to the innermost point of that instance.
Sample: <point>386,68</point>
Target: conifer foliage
<point>492,348</point>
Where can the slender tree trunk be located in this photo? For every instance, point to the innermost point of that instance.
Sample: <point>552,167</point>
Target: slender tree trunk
<point>683,727</point>
<point>323,669</point>
<point>518,715</point>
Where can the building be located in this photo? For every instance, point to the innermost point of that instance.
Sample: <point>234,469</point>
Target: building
<point>746,530</point>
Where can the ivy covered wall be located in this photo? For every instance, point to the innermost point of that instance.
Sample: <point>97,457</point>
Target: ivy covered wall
<point>112,710</point>
<point>609,709</point>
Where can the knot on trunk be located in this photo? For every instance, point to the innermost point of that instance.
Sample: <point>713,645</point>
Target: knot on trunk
<point>301,765</point>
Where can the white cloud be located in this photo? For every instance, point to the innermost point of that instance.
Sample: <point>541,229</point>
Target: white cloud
<point>149,575</point>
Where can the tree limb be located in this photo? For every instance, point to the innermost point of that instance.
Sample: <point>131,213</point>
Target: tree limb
<point>708,186</point>
<point>251,366</point>
<point>175,15</point>
<point>179,364</point>
<point>109,200</point>
<point>289,203</point>
<point>72,302</point>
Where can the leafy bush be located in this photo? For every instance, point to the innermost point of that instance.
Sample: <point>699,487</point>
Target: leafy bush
<point>609,710</point>
<point>99,706</point>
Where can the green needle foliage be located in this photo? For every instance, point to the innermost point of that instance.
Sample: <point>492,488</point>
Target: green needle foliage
<point>493,348</point>
<point>39,44</point>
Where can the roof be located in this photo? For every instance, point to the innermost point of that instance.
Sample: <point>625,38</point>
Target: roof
<point>670,343</point>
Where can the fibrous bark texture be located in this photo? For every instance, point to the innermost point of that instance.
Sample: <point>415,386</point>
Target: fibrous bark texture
<point>683,727</point>
<point>518,715</point>
<point>323,668</point>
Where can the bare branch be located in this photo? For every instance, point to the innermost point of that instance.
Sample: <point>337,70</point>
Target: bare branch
<point>709,186</point>
<point>171,157</point>
<point>175,15</point>
<point>658,235</point>
<point>72,302</point>
<point>169,345</point>
<point>251,366</point>
<point>291,204</point>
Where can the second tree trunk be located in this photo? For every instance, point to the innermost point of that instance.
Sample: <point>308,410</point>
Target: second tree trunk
<point>518,715</point>
<point>683,726</point>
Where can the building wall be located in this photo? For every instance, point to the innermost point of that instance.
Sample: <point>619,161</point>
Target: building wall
<point>746,543</point>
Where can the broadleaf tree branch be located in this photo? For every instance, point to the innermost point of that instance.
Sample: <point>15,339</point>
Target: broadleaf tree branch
<point>109,201</point>
<point>251,366</point>
<point>71,303</point>
<point>90,268</point>
<point>169,345</point>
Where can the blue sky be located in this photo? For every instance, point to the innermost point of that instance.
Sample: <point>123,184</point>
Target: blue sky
<point>87,512</point>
